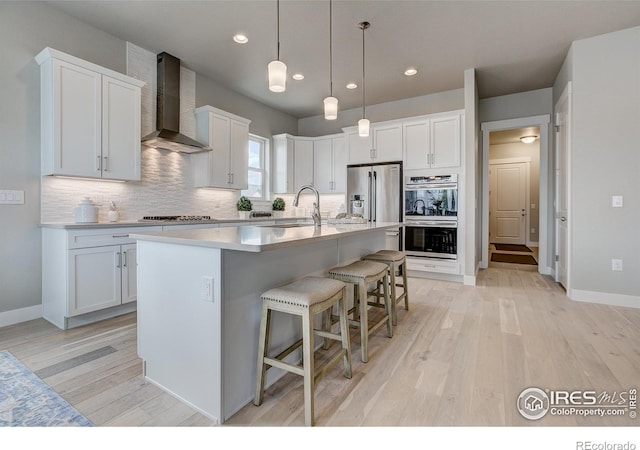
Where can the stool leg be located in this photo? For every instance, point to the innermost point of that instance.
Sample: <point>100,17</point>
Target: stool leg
<point>405,287</point>
<point>263,348</point>
<point>364,322</point>
<point>392,271</point>
<point>344,333</point>
<point>388,307</point>
<point>307,363</point>
<point>326,325</point>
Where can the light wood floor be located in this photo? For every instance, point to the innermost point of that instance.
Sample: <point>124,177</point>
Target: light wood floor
<point>460,356</point>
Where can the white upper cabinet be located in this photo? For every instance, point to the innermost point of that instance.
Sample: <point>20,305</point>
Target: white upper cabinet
<point>292,163</point>
<point>433,141</point>
<point>225,166</point>
<point>330,164</point>
<point>90,119</point>
<point>383,144</point>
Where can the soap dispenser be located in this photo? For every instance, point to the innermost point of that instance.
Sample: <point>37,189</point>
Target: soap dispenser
<point>112,215</point>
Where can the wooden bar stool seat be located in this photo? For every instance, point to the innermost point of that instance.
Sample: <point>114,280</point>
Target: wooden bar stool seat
<point>305,298</point>
<point>395,260</point>
<point>360,274</point>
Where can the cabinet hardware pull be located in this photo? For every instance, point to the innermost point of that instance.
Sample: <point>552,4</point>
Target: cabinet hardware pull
<point>106,163</point>
<point>98,166</point>
<point>119,260</point>
<point>231,178</point>
<point>116,236</point>
<point>124,259</point>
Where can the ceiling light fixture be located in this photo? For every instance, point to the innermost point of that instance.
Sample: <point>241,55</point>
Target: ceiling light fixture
<point>240,39</point>
<point>297,76</point>
<point>411,71</point>
<point>351,86</point>
<point>330,102</point>
<point>277,69</point>
<point>528,139</point>
<point>363,124</point>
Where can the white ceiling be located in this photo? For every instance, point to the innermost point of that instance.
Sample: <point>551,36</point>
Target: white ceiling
<point>514,46</point>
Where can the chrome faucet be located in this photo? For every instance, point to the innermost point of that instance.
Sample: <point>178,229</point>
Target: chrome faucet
<point>315,215</point>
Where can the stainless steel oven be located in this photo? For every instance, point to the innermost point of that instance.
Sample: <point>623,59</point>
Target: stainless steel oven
<point>431,216</point>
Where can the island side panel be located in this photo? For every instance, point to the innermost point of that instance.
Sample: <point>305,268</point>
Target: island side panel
<point>179,331</point>
<point>246,276</point>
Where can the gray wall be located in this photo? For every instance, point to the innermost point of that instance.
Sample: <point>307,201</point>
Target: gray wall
<point>605,161</point>
<point>514,106</point>
<point>410,107</point>
<point>25,29</point>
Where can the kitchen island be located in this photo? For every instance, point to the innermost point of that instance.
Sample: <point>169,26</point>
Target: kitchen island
<point>199,302</point>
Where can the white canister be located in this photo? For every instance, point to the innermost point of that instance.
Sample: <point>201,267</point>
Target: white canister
<point>86,211</point>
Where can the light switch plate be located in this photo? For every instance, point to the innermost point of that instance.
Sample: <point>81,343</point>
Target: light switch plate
<point>616,201</point>
<point>8,197</point>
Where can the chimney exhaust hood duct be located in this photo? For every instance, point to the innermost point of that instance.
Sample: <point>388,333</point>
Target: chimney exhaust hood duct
<point>167,135</point>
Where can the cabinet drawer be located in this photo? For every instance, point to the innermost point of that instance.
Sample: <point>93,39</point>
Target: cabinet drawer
<point>424,265</point>
<point>105,236</point>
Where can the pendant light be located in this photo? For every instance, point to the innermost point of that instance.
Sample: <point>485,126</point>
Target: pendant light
<point>330,103</point>
<point>277,69</point>
<point>363,124</point>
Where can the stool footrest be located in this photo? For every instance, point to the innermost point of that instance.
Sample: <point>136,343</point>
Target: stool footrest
<point>273,362</point>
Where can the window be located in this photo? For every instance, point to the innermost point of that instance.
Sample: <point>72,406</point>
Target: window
<point>257,175</point>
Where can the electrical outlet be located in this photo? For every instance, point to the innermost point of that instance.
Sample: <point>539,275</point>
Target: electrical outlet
<point>616,264</point>
<point>616,201</point>
<point>207,289</point>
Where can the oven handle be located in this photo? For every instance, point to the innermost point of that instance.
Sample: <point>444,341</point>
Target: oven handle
<point>415,187</point>
<point>430,224</point>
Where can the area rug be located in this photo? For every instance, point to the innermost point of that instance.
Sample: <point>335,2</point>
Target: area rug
<point>27,401</point>
<point>512,248</point>
<point>515,259</point>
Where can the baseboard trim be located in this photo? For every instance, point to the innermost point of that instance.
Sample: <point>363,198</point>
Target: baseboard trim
<point>20,315</point>
<point>605,298</point>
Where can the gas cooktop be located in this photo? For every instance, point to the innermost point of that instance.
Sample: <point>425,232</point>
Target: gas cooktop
<point>173,218</point>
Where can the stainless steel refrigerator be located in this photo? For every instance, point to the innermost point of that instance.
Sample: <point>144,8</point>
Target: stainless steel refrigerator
<point>375,191</point>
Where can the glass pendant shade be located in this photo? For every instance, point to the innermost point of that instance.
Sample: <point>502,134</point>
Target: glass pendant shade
<point>363,127</point>
<point>331,108</point>
<point>277,76</point>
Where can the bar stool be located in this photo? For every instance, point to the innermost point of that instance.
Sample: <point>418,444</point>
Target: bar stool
<point>395,260</point>
<point>305,298</point>
<point>360,274</point>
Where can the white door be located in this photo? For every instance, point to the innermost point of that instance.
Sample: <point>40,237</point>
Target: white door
<point>562,116</point>
<point>507,203</point>
<point>239,155</point>
<point>120,130</point>
<point>129,273</point>
<point>94,279</point>
<point>445,142</point>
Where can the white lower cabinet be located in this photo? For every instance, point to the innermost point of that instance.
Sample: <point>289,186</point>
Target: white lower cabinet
<point>433,265</point>
<point>88,271</point>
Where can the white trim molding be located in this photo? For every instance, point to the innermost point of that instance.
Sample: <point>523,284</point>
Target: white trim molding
<point>20,315</point>
<point>605,298</point>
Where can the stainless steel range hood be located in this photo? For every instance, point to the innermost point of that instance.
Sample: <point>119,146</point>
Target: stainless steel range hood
<point>167,135</point>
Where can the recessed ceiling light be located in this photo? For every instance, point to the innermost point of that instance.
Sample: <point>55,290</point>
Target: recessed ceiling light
<point>411,71</point>
<point>240,39</point>
<point>297,76</point>
<point>352,86</point>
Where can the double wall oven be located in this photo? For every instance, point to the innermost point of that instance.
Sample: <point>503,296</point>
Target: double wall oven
<point>431,216</point>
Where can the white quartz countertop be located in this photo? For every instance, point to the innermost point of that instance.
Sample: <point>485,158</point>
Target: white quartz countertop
<point>260,238</point>
<point>148,223</point>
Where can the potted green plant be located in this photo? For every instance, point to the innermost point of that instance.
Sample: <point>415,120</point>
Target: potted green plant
<point>244,207</point>
<point>278,207</point>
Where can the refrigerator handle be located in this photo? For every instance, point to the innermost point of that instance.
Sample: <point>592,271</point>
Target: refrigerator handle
<point>369,198</point>
<point>374,202</point>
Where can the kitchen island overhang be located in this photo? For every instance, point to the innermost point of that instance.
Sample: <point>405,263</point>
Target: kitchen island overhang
<point>199,302</point>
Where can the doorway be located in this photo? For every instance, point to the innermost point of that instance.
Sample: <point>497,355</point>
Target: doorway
<point>524,175</point>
